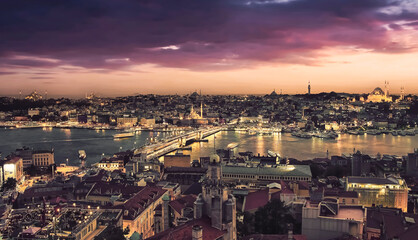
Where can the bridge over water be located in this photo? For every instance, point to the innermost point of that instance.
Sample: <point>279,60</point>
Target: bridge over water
<point>172,144</point>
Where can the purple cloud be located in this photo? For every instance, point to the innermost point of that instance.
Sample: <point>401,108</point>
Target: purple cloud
<point>197,35</point>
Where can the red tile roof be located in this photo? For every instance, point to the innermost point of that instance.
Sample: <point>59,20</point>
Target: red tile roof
<point>255,200</point>
<point>181,203</point>
<point>394,222</point>
<point>184,232</point>
<point>108,188</point>
<point>140,201</point>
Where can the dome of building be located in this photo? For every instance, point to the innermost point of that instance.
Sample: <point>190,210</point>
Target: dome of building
<point>215,158</point>
<point>378,91</point>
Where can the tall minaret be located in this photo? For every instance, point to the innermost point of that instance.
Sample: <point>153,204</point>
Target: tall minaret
<point>309,87</point>
<point>386,88</point>
<point>201,105</point>
<point>402,97</point>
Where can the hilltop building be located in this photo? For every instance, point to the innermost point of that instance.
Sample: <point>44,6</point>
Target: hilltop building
<point>378,95</point>
<point>388,192</point>
<point>34,96</point>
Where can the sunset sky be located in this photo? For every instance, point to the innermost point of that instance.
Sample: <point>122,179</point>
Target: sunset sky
<point>124,47</point>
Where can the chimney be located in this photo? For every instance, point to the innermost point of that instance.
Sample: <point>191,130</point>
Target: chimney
<point>197,232</point>
<point>290,231</point>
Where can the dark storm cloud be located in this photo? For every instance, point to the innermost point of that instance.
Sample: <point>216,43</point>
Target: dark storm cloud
<point>203,34</point>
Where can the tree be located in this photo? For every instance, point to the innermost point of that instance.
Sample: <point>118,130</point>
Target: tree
<point>10,184</point>
<point>245,224</point>
<point>273,218</point>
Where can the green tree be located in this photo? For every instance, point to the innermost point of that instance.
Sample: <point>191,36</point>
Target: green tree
<point>245,224</point>
<point>273,218</point>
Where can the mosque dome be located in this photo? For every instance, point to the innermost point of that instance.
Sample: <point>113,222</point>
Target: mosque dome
<point>378,91</point>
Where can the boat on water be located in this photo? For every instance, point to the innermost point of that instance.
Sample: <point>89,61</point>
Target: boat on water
<point>410,132</point>
<point>326,135</point>
<point>273,154</point>
<point>124,135</point>
<point>232,145</point>
<point>353,132</point>
<point>252,132</point>
<point>373,132</point>
<point>301,134</point>
<point>82,154</point>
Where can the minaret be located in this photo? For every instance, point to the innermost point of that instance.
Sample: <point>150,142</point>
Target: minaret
<point>201,105</point>
<point>309,87</point>
<point>386,88</point>
<point>402,97</point>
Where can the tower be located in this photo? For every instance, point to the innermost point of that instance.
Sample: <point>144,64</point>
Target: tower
<point>309,87</point>
<point>165,213</point>
<point>402,97</point>
<point>216,202</point>
<point>386,88</point>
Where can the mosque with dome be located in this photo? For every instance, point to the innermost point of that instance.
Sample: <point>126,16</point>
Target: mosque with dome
<point>378,95</point>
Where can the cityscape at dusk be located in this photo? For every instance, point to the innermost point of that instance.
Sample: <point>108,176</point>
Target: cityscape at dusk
<point>209,119</point>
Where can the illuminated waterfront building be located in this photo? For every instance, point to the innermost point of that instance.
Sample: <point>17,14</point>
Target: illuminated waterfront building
<point>387,192</point>
<point>43,158</point>
<point>126,121</point>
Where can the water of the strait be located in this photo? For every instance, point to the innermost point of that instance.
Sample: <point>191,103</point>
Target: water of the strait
<point>67,142</point>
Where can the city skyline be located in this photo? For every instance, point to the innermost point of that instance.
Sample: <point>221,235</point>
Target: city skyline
<point>221,47</point>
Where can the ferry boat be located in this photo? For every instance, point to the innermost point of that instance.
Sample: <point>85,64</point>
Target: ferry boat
<point>273,154</point>
<point>232,145</point>
<point>410,132</point>
<point>301,134</point>
<point>123,135</point>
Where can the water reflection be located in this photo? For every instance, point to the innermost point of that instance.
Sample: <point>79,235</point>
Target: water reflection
<point>67,142</point>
